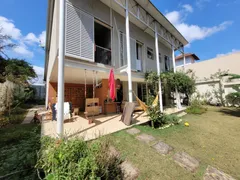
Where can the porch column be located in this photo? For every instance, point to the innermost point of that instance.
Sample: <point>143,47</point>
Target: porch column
<point>129,69</point>
<point>184,60</point>
<point>174,70</point>
<point>60,93</point>
<point>158,68</point>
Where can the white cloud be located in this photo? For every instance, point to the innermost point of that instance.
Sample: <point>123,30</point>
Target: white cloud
<point>193,32</point>
<point>31,38</point>
<point>42,38</point>
<point>8,28</point>
<point>200,3</point>
<point>173,17</point>
<point>188,8</point>
<point>22,50</point>
<point>231,52</point>
<point>40,73</point>
<point>25,44</point>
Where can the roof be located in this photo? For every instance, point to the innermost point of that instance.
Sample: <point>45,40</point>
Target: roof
<point>187,55</point>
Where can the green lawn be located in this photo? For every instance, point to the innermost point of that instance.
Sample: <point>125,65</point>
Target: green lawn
<point>18,151</point>
<point>213,138</point>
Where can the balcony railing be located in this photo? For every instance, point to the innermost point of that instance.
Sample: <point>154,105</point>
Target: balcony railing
<point>103,55</point>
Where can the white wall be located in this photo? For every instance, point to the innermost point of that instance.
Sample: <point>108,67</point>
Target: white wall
<point>102,12</point>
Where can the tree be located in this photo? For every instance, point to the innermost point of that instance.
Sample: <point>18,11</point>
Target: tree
<point>5,43</point>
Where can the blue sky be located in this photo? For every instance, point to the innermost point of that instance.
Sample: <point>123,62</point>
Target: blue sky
<point>211,26</point>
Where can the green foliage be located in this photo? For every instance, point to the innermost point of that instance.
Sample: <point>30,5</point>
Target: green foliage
<point>233,98</point>
<point>180,81</point>
<point>5,43</point>
<point>22,95</point>
<point>16,70</point>
<point>4,121</point>
<point>159,119</point>
<point>75,159</point>
<point>196,107</point>
<point>16,116</point>
<point>18,147</point>
<point>183,82</point>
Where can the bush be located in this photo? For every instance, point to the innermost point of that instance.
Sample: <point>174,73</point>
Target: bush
<point>18,110</point>
<point>233,98</point>
<point>170,119</point>
<point>159,119</point>
<point>4,121</point>
<point>75,159</point>
<point>16,118</point>
<point>196,107</point>
<point>18,147</point>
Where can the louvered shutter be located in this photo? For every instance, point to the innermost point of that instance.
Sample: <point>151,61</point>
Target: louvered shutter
<point>87,37</point>
<point>133,54</point>
<point>73,28</point>
<point>123,49</point>
<point>79,34</point>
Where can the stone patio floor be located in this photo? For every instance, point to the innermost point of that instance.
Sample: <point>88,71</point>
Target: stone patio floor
<point>102,125</point>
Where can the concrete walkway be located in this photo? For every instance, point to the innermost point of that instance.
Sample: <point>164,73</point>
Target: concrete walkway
<point>31,112</point>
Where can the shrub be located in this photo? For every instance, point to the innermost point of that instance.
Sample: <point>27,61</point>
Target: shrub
<point>16,118</point>
<point>196,107</point>
<point>4,121</point>
<point>233,98</point>
<point>75,159</point>
<point>18,146</point>
<point>170,119</point>
<point>159,119</point>
<point>18,110</point>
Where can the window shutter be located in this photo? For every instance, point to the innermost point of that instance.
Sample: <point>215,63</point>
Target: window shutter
<point>72,31</point>
<point>79,34</point>
<point>133,54</point>
<point>123,49</point>
<point>87,36</point>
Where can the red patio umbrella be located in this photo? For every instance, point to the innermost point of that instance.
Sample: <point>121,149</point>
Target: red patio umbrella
<point>111,85</point>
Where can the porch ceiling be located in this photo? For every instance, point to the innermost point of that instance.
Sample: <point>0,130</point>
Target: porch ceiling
<point>75,73</point>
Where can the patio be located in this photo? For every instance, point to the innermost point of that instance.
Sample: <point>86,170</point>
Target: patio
<point>104,124</point>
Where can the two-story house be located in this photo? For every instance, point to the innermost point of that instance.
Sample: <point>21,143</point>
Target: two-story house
<point>99,35</point>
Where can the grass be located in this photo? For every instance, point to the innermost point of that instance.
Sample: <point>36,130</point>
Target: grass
<point>212,138</point>
<point>18,151</point>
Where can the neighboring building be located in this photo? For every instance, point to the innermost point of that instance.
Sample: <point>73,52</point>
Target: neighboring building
<point>40,90</point>
<point>95,42</point>
<point>190,58</point>
<point>204,69</point>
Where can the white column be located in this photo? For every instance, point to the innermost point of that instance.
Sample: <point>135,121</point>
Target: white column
<point>60,93</point>
<point>129,69</point>
<point>184,61</point>
<point>158,68</point>
<point>174,70</point>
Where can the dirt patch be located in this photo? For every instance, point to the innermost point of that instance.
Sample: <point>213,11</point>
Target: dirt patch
<point>214,174</point>
<point>186,161</point>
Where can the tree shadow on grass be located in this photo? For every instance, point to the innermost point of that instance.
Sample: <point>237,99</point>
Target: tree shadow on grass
<point>231,112</point>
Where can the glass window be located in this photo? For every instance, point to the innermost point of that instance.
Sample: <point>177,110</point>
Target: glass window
<point>167,63</point>
<point>150,54</point>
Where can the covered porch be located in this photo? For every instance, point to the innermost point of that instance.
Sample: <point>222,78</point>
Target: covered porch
<point>103,124</point>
